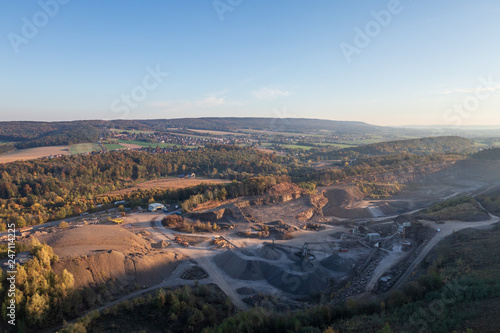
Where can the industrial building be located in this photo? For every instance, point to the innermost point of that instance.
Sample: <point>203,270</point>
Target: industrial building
<point>155,207</point>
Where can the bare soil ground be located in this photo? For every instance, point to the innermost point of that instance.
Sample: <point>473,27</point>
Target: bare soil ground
<point>284,211</point>
<point>346,202</point>
<point>171,183</point>
<point>85,240</point>
<point>323,165</point>
<point>111,255</point>
<point>267,150</point>
<point>33,153</point>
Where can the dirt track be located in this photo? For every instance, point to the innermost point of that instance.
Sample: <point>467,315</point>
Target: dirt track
<point>446,229</point>
<point>204,259</point>
<point>170,183</point>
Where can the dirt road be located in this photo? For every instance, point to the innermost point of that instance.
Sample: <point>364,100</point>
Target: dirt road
<point>445,230</point>
<point>385,264</point>
<point>204,258</point>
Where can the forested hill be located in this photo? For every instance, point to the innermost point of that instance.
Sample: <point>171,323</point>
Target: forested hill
<point>17,131</point>
<point>488,154</point>
<point>27,134</point>
<point>231,124</point>
<point>442,144</point>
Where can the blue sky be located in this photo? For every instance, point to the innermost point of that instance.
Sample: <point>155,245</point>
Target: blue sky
<point>425,63</point>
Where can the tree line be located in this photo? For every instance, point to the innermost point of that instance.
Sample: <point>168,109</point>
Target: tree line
<point>42,297</point>
<point>34,192</point>
<point>21,135</point>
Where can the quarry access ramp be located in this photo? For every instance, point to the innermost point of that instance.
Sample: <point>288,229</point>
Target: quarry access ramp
<point>202,257</point>
<point>445,230</point>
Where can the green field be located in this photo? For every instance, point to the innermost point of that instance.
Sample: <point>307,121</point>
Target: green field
<point>277,133</point>
<point>338,145</point>
<point>148,144</point>
<point>361,142</point>
<point>113,146</point>
<point>82,148</point>
<point>297,147</point>
<point>482,144</point>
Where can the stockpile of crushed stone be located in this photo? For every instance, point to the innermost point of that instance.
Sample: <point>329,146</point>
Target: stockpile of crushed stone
<point>244,291</point>
<point>337,264</point>
<point>239,268</point>
<point>268,253</point>
<point>294,282</point>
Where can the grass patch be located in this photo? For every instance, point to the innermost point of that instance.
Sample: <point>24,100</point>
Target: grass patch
<point>377,190</point>
<point>113,146</point>
<point>481,144</point>
<point>278,133</point>
<point>337,145</point>
<point>82,148</point>
<point>463,208</point>
<point>297,147</point>
<point>362,142</point>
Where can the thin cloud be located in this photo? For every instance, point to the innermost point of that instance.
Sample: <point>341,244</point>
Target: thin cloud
<point>463,91</point>
<point>207,102</point>
<point>270,93</point>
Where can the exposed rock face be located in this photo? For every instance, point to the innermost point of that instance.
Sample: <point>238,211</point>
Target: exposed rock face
<point>317,201</point>
<point>307,214</point>
<point>404,175</point>
<point>211,215</point>
<point>270,199</point>
<point>160,244</point>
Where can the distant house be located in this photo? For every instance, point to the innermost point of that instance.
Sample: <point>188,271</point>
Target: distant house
<point>155,207</point>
